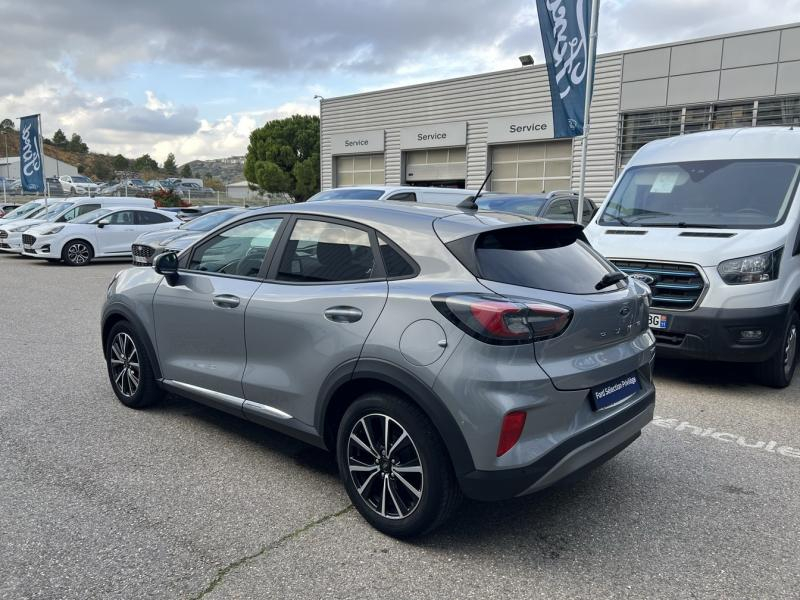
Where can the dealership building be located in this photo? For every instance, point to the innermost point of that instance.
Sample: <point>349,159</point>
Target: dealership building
<point>453,132</point>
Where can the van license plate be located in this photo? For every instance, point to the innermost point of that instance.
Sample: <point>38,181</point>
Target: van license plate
<point>615,391</point>
<point>658,321</point>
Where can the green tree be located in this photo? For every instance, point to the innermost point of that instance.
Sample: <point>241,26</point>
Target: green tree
<point>76,144</point>
<point>169,165</point>
<point>59,139</point>
<point>102,168</point>
<point>120,163</point>
<point>145,163</point>
<point>186,171</point>
<point>6,124</point>
<point>283,156</point>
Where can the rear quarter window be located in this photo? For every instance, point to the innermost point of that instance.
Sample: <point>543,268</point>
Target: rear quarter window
<point>556,259</point>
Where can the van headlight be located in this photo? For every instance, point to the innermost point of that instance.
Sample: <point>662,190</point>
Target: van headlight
<point>751,269</point>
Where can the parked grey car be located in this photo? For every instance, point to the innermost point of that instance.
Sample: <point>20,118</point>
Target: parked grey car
<point>149,245</point>
<point>436,351</point>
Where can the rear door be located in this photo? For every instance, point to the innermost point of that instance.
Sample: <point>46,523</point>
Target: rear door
<point>608,331</point>
<point>323,294</point>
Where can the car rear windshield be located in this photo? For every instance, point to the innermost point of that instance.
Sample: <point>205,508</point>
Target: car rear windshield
<point>527,206</point>
<point>736,194</point>
<point>549,258</point>
<point>210,221</point>
<point>347,194</point>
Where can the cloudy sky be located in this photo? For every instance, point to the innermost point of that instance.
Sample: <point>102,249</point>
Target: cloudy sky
<point>195,77</point>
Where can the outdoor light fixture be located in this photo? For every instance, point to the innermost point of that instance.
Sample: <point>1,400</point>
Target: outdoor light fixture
<point>318,97</point>
<point>526,60</point>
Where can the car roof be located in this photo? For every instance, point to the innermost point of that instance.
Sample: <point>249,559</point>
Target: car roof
<point>413,216</point>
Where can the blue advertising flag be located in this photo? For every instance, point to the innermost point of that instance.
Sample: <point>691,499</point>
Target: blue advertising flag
<point>565,35</point>
<point>31,160</point>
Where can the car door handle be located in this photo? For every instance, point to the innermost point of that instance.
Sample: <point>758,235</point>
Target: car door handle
<point>226,301</point>
<point>343,314</point>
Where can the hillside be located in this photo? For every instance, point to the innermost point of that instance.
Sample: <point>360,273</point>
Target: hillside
<point>227,170</point>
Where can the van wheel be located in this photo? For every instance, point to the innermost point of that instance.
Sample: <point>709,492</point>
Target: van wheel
<point>77,253</point>
<point>778,371</point>
<point>395,467</point>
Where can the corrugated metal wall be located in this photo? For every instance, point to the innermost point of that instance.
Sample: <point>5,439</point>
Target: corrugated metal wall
<point>473,99</point>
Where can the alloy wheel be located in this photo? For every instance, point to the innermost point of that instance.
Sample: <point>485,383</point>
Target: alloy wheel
<point>78,253</point>
<point>124,359</point>
<point>790,350</point>
<point>385,466</point>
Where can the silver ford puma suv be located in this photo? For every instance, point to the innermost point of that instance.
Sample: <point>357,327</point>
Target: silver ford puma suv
<point>438,352</point>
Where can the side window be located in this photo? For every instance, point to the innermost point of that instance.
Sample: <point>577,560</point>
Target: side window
<point>123,217</point>
<point>239,250</point>
<point>560,210</point>
<point>588,210</point>
<point>78,211</point>
<point>151,218</point>
<point>395,263</point>
<point>319,252</point>
<point>403,197</point>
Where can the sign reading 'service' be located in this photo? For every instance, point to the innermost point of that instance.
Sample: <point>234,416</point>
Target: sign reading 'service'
<point>440,135</point>
<point>357,142</point>
<point>534,126</point>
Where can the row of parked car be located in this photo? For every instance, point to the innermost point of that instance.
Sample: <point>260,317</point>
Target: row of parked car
<point>452,343</point>
<point>81,185</point>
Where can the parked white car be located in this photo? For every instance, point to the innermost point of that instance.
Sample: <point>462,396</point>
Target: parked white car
<point>61,211</point>
<point>102,233</point>
<point>396,193</point>
<point>77,185</point>
<point>26,211</point>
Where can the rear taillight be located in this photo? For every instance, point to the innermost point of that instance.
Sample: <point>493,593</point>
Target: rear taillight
<point>500,320</point>
<point>510,431</point>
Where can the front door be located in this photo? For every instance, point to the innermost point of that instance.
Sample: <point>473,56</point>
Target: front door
<point>117,233</point>
<point>199,320</point>
<point>313,314</point>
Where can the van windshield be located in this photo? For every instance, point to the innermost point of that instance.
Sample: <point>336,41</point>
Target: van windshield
<point>735,194</point>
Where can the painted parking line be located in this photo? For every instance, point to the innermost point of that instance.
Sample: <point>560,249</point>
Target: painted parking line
<point>712,433</point>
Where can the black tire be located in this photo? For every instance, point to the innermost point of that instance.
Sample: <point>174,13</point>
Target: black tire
<point>77,253</point>
<point>118,348</point>
<point>403,513</point>
<point>778,371</point>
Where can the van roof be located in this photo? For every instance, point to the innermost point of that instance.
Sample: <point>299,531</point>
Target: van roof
<point>723,144</point>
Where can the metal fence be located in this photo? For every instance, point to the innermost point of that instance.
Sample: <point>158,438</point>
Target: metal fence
<point>17,196</point>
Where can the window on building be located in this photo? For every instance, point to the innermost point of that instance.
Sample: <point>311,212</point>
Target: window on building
<point>778,111</point>
<point>640,128</point>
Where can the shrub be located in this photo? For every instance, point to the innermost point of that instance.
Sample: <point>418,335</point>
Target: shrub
<point>167,198</point>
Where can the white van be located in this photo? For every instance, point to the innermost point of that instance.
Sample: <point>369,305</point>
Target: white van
<point>62,211</point>
<point>710,222</point>
<point>397,193</point>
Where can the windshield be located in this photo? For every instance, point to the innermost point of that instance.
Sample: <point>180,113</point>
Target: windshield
<point>53,210</point>
<point>347,194</point>
<point>80,179</point>
<point>528,207</point>
<point>716,193</point>
<point>91,216</point>
<point>208,222</point>
<point>30,207</point>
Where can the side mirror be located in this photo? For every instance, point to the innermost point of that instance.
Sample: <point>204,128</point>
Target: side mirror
<point>166,264</point>
<point>102,223</point>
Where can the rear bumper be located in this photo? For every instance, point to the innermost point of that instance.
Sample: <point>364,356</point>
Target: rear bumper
<point>585,450</point>
<point>714,334</point>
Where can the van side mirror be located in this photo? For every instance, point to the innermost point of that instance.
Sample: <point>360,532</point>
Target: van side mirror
<point>166,264</point>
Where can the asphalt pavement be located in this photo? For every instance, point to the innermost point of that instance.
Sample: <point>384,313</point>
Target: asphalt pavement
<point>180,501</point>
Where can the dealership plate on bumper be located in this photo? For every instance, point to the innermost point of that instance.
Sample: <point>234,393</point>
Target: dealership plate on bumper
<point>615,391</point>
<point>658,321</point>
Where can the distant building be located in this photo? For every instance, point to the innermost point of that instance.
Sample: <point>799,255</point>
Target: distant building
<point>9,167</point>
<point>240,190</point>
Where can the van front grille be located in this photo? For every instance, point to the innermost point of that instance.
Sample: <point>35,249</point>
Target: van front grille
<point>675,286</point>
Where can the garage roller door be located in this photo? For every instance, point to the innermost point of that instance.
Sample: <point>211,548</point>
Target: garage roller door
<point>532,168</point>
<point>436,165</point>
<point>359,169</point>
